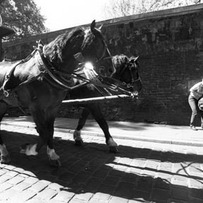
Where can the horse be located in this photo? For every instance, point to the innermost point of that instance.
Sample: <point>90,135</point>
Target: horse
<point>127,71</point>
<point>35,83</point>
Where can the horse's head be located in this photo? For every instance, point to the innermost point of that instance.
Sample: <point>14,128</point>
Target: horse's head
<point>95,50</point>
<point>127,71</point>
<point>79,45</point>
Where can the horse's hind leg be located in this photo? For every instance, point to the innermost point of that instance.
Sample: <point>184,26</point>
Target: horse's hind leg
<point>77,133</point>
<point>96,112</point>
<point>4,155</point>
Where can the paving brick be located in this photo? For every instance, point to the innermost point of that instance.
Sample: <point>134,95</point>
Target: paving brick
<point>102,172</point>
<point>40,185</point>
<point>2,172</point>
<point>130,177</point>
<point>160,183</point>
<point>135,201</point>
<point>15,180</point>
<point>100,197</point>
<point>166,176</point>
<point>19,170</point>
<point>8,194</point>
<point>160,195</point>
<point>36,200</point>
<point>180,180</point>
<point>125,189</point>
<point>180,193</point>
<point>21,186</point>
<point>4,186</point>
<point>31,180</point>
<point>23,196</point>
<point>141,195</point>
<point>195,170</point>
<point>93,183</point>
<point>55,186</point>
<point>46,194</point>
<point>83,197</point>
<point>111,180</point>
<point>12,173</point>
<point>165,166</point>
<point>9,167</point>
<point>152,164</point>
<point>177,201</point>
<point>195,183</point>
<point>81,177</point>
<point>114,199</point>
<point>67,176</point>
<point>4,178</point>
<point>144,183</point>
<point>196,193</point>
<point>195,200</point>
<point>63,196</point>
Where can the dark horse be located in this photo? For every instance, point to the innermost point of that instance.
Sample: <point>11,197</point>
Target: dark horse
<point>127,72</point>
<point>32,83</point>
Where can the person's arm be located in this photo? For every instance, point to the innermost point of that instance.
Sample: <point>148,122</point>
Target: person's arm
<point>195,91</point>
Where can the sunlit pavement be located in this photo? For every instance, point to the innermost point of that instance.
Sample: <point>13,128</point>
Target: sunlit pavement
<point>147,168</point>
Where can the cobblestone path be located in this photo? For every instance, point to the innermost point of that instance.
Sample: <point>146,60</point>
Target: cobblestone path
<point>140,172</point>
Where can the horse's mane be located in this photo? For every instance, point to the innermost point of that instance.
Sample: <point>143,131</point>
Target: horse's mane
<point>64,46</point>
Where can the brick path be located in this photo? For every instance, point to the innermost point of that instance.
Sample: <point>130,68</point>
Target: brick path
<point>140,172</point>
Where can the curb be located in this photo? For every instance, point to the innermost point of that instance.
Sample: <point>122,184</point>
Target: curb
<point>116,136</point>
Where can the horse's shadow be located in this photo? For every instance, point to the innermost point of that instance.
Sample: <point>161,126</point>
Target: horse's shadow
<point>127,174</point>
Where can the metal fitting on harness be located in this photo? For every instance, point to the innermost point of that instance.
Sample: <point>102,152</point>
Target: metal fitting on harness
<point>6,93</point>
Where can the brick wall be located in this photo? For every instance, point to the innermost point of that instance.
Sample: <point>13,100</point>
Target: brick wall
<point>170,46</point>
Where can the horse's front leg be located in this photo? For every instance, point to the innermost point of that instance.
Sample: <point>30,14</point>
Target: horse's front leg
<point>53,156</point>
<point>45,127</point>
<point>77,133</point>
<point>96,112</point>
<point>40,122</point>
<point>4,155</point>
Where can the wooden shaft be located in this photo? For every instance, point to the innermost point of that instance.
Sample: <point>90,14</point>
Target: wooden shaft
<point>95,99</point>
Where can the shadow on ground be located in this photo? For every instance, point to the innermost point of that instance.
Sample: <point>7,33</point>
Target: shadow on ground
<point>127,174</point>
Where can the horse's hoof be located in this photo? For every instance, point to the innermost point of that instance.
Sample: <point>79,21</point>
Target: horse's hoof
<point>55,163</point>
<point>78,142</point>
<point>5,159</point>
<point>113,149</point>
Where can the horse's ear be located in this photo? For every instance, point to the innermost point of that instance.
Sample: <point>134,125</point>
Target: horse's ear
<point>134,59</point>
<point>92,26</point>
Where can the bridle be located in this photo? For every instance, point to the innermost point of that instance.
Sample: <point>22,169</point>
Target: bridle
<point>133,80</point>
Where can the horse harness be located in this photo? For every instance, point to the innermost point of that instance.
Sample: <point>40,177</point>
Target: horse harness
<point>60,79</point>
<point>133,80</point>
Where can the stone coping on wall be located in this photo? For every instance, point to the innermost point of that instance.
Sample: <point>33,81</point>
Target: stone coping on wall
<point>138,17</point>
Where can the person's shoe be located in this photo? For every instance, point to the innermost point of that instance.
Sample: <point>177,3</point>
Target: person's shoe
<point>193,127</point>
